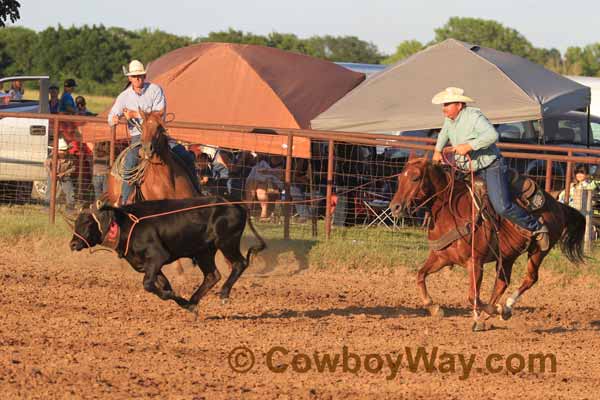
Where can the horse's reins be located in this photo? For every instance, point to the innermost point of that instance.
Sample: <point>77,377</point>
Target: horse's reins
<point>473,217</point>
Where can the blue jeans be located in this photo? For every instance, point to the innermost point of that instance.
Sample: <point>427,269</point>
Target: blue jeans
<point>132,159</point>
<point>64,184</point>
<point>100,183</point>
<point>496,180</point>
<point>301,208</point>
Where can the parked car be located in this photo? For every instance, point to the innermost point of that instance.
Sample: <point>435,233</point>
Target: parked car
<point>569,129</point>
<point>23,142</point>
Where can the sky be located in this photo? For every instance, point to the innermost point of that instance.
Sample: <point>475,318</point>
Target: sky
<point>545,23</point>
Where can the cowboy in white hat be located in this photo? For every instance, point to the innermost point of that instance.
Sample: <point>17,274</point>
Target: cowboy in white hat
<point>64,172</point>
<point>470,132</point>
<point>148,97</point>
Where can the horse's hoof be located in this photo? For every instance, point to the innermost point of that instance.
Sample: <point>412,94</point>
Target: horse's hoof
<point>478,326</point>
<point>436,311</point>
<point>506,313</point>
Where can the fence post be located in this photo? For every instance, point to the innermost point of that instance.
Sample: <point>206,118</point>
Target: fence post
<point>288,180</point>
<point>53,169</point>
<point>330,166</point>
<point>568,174</point>
<point>548,187</point>
<point>113,139</point>
<point>313,207</point>
<point>80,171</point>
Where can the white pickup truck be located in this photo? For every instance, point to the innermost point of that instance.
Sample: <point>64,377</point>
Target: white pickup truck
<point>23,142</point>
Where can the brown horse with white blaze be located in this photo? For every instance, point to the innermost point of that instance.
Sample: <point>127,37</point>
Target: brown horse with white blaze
<point>163,177</point>
<point>423,184</point>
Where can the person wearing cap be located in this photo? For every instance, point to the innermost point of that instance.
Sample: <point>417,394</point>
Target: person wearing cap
<point>67,104</point>
<point>147,97</point>
<point>470,132</point>
<point>54,102</point>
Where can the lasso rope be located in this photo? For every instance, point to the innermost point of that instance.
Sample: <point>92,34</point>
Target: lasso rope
<point>130,175</point>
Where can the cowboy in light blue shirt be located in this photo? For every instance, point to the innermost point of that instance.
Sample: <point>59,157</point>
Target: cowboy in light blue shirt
<point>470,132</point>
<point>147,97</point>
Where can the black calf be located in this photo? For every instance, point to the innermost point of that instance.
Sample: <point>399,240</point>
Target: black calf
<point>156,241</point>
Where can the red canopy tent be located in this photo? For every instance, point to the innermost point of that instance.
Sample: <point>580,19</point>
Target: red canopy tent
<point>232,84</point>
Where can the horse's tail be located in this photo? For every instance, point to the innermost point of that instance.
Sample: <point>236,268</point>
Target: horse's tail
<point>253,250</point>
<point>571,240</point>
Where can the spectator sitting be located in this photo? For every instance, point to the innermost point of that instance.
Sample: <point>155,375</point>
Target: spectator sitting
<point>67,104</point>
<point>582,181</point>
<point>16,90</point>
<point>264,183</point>
<point>54,102</point>
<point>81,106</point>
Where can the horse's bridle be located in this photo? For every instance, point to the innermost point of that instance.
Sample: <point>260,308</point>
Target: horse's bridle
<point>420,190</point>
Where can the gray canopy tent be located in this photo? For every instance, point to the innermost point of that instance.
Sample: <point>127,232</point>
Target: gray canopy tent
<point>506,87</point>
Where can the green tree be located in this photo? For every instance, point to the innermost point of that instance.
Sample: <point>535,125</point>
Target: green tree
<point>287,42</point>
<point>9,9</point>
<point>583,61</point>
<point>343,48</point>
<point>486,33</point>
<point>92,55</point>
<point>405,49</point>
<point>147,45</point>
<point>573,61</point>
<point>16,56</point>
<point>233,36</point>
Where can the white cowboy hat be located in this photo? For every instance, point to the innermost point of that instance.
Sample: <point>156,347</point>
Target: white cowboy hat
<point>135,68</point>
<point>451,95</point>
<point>62,144</point>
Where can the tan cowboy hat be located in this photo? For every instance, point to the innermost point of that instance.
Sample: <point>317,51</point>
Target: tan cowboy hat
<point>451,95</point>
<point>135,68</point>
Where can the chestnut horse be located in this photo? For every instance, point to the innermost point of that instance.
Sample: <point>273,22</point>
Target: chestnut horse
<point>163,176</point>
<point>423,184</point>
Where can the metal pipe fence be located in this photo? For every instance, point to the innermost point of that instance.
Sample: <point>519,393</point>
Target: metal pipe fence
<point>306,182</point>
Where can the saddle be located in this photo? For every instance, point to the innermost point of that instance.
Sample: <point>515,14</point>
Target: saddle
<point>527,193</point>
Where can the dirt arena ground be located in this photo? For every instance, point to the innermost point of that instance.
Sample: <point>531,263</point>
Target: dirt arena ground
<point>81,326</point>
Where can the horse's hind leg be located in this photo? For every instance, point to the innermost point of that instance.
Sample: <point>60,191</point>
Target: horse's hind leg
<point>533,266</point>
<point>433,264</point>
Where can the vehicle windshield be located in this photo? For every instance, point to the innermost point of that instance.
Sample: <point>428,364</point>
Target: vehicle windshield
<point>565,131</point>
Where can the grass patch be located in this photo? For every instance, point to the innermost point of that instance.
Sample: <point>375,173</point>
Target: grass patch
<point>30,221</point>
<point>95,104</point>
<point>349,248</point>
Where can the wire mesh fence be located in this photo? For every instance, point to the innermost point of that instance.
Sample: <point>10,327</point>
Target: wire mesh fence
<point>294,194</point>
